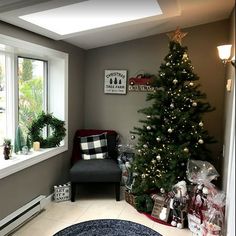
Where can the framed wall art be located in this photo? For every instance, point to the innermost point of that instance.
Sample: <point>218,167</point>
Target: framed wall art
<point>115,81</point>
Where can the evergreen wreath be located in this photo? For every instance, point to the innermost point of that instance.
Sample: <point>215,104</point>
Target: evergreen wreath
<point>57,126</point>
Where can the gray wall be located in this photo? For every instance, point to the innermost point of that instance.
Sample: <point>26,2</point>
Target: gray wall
<point>21,187</point>
<point>119,112</point>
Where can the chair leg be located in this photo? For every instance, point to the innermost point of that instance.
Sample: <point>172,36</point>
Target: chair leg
<point>73,191</point>
<point>117,187</point>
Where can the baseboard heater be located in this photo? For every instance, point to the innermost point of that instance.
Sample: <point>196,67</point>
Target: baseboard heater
<point>21,215</point>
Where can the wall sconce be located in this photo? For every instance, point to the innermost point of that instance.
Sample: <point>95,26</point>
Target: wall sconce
<point>224,52</point>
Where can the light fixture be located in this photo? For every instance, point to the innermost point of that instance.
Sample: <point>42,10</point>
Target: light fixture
<point>224,52</point>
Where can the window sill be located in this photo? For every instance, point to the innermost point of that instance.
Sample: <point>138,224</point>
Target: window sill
<point>19,162</point>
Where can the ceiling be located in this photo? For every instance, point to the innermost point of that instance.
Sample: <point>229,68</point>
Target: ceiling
<point>183,13</point>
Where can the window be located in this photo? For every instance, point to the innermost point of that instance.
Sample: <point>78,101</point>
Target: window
<point>32,90</point>
<point>2,99</point>
<point>33,79</point>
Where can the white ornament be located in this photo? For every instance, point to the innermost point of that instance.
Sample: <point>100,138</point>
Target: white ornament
<point>158,157</point>
<point>191,83</point>
<point>148,116</point>
<point>201,124</point>
<point>194,104</point>
<point>158,139</point>
<point>143,176</point>
<point>132,137</point>
<point>172,105</point>
<point>149,128</point>
<point>145,145</point>
<point>170,130</point>
<point>162,190</point>
<point>153,161</point>
<point>175,81</point>
<point>200,141</point>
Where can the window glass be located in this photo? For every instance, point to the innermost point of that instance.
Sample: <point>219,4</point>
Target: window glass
<point>3,125</point>
<point>32,90</point>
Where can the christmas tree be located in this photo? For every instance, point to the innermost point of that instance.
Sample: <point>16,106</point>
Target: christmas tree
<point>19,140</point>
<point>173,130</point>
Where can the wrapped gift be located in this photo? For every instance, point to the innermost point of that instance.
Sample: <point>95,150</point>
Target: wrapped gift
<point>214,216</point>
<point>201,174</point>
<point>130,198</point>
<point>125,158</point>
<point>179,204</point>
<point>161,207</point>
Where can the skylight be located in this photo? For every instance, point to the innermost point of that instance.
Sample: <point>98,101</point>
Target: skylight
<point>92,14</point>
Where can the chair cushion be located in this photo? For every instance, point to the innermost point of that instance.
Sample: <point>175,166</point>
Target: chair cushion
<point>94,147</point>
<point>96,170</point>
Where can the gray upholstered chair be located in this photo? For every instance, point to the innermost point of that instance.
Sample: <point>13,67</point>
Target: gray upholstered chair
<point>95,170</point>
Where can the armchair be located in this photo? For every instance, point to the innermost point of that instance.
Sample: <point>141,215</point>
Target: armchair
<point>95,170</point>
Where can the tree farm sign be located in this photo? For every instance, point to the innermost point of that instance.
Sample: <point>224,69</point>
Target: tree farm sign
<point>115,81</point>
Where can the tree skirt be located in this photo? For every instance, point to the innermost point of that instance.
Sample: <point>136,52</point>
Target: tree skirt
<point>107,228</point>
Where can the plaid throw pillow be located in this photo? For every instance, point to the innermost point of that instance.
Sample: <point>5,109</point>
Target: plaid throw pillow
<point>94,147</point>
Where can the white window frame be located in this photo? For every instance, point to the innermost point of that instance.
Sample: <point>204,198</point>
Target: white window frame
<point>57,102</point>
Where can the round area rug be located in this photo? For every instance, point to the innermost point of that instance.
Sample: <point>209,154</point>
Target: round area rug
<point>107,228</point>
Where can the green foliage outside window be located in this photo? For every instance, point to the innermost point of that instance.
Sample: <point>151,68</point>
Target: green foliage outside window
<point>30,94</point>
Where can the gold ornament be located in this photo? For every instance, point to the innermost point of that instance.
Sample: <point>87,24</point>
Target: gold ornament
<point>185,56</point>
<point>176,36</point>
<point>186,150</point>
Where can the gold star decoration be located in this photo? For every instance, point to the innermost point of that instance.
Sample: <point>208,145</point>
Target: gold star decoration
<point>176,35</point>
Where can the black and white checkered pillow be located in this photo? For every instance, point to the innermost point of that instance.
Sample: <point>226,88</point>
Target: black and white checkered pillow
<point>94,147</point>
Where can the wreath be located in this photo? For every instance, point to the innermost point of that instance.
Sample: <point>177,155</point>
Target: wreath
<point>57,126</point>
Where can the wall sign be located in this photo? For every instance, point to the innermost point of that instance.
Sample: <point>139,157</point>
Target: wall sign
<point>115,81</point>
<point>141,83</point>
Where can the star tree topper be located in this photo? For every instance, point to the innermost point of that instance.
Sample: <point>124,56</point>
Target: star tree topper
<point>176,35</point>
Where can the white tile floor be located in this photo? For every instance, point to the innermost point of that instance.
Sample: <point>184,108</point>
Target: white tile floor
<point>57,216</point>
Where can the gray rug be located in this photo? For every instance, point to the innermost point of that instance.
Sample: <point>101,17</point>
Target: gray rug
<point>107,228</point>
